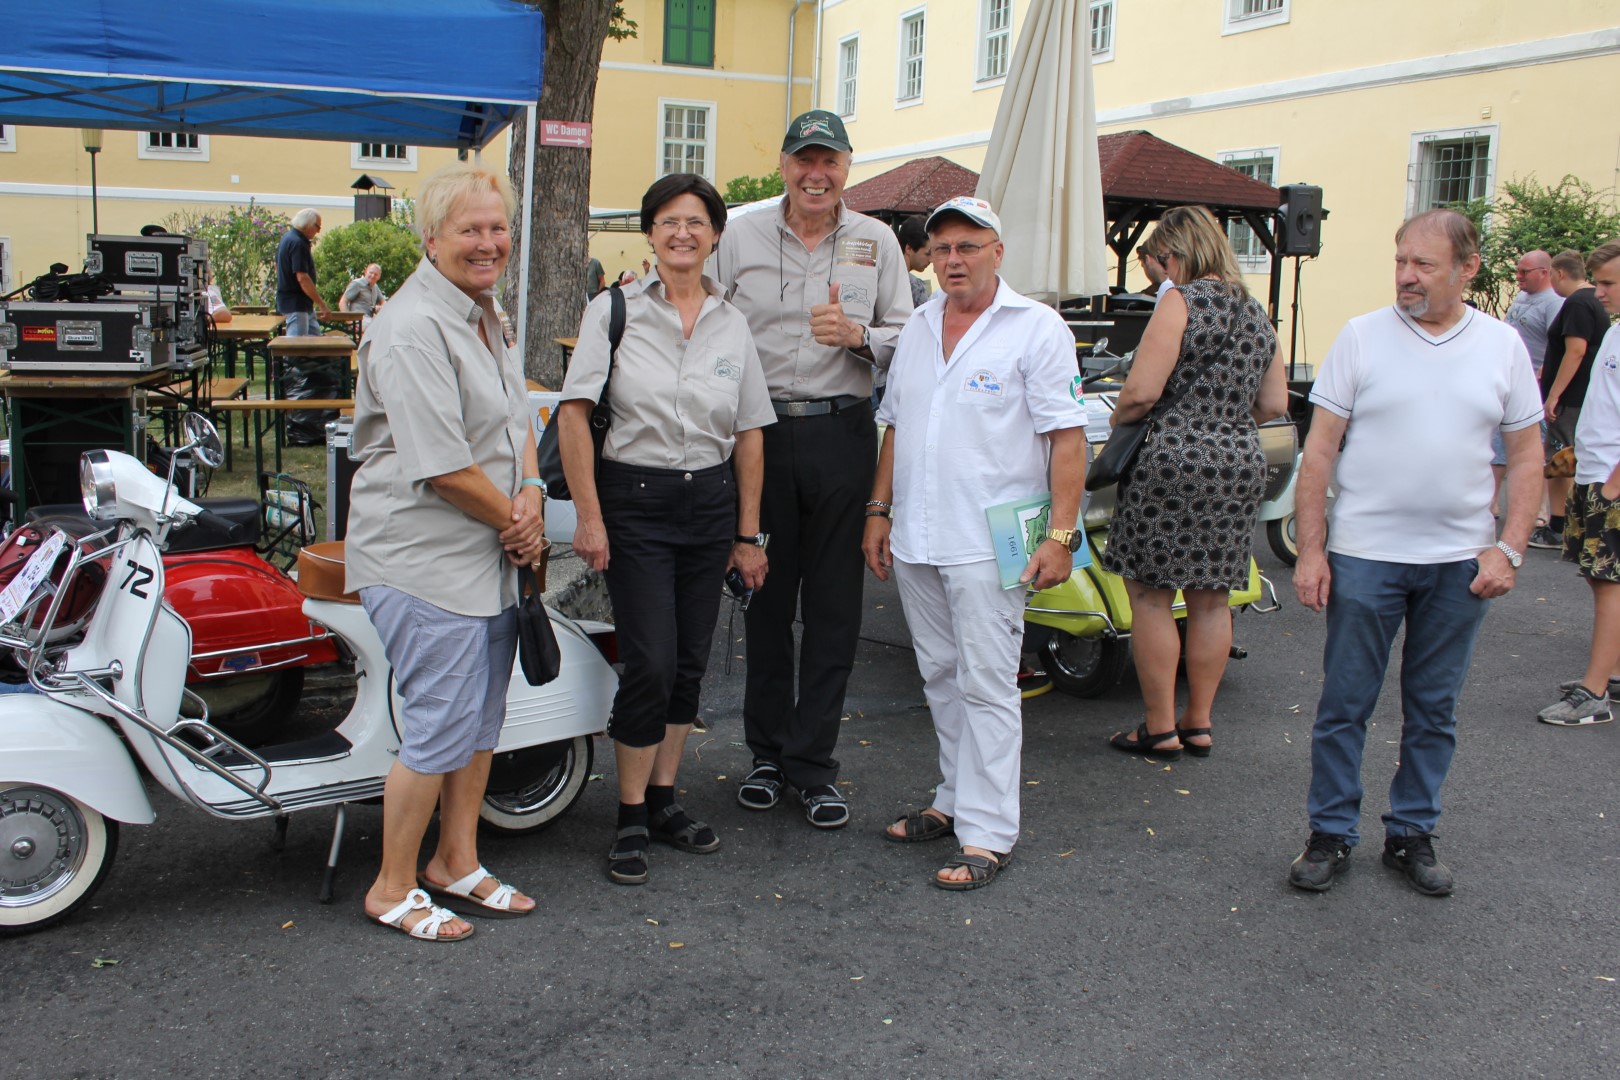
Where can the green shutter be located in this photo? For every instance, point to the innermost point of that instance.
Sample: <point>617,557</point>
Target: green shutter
<point>689,32</point>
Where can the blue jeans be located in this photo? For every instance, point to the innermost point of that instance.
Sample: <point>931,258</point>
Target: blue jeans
<point>1366,605</point>
<point>301,324</point>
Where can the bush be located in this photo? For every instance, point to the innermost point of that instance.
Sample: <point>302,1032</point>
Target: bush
<point>1526,216</point>
<point>747,189</point>
<point>342,254</point>
<point>241,249</point>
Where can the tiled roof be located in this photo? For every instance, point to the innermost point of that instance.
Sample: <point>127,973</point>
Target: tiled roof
<point>913,188</point>
<point>1140,167</point>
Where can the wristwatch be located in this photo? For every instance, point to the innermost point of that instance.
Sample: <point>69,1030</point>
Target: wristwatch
<point>1514,559</point>
<point>866,338</point>
<point>759,540</point>
<point>1069,538</point>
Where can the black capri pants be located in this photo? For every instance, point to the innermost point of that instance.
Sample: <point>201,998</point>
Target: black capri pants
<point>669,537</point>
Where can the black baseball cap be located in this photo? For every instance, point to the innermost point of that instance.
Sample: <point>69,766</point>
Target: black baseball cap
<point>818,127</point>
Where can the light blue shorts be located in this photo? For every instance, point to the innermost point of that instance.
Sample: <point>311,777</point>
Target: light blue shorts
<point>452,672</point>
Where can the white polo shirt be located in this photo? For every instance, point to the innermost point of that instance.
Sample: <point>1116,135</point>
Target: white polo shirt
<point>968,432</point>
<point>1414,476</point>
<point>1597,433</point>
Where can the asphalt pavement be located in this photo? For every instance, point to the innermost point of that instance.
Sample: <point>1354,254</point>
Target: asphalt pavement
<point>1144,930</point>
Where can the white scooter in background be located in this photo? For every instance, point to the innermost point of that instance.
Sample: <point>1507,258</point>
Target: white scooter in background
<point>112,704</point>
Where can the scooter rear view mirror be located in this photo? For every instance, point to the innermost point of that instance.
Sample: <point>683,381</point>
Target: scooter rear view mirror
<point>202,439</point>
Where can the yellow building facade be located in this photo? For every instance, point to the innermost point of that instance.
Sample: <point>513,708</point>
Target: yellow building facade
<point>1389,107</point>
<point>705,86</point>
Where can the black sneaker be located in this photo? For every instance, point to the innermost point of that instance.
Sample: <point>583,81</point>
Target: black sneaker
<point>1543,537</point>
<point>1413,855</point>
<point>1325,857</point>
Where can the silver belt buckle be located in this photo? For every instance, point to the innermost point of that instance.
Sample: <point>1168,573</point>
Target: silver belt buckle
<point>798,408</point>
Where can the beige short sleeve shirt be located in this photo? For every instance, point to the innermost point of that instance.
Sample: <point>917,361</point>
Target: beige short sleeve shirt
<point>677,403</point>
<point>432,399</point>
<point>768,273</point>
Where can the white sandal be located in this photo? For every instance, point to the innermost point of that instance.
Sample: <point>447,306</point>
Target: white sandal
<point>428,928</point>
<point>458,897</point>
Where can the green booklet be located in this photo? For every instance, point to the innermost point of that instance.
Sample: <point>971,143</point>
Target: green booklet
<point>1017,529</point>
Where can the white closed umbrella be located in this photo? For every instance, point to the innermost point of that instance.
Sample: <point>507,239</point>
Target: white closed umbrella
<point>1041,172</point>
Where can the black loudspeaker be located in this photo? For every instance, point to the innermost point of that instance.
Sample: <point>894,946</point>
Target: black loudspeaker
<point>1300,216</point>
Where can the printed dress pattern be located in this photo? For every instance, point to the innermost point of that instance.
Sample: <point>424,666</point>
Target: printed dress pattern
<point>1187,509</point>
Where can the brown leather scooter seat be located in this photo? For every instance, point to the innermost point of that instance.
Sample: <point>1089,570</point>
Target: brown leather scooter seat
<point>320,573</point>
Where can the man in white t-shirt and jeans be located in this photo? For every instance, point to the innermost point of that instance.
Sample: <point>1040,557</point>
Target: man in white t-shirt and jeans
<point>1592,527</point>
<point>1413,536</point>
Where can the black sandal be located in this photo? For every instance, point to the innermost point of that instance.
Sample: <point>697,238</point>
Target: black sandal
<point>627,864</point>
<point>1146,743</point>
<point>982,869</point>
<point>825,807</point>
<point>688,835</point>
<point>1185,733</point>
<point>919,826</point>
<point>762,788</point>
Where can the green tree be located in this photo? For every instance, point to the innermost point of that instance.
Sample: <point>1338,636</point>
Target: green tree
<point>1529,215</point>
<point>343,253</point>
<point>747,189</point>
<point>241,249</point>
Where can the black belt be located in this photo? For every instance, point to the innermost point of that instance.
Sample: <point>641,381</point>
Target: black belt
<point>818,408</point>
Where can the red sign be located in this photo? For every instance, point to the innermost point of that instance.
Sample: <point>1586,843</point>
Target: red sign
<point>39,333</point>
<point>564,133</point>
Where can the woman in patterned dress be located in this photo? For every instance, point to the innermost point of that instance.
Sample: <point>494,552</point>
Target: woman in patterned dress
<point>1187,507</point>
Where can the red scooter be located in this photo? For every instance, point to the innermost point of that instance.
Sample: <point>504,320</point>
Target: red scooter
<point>250,640</point>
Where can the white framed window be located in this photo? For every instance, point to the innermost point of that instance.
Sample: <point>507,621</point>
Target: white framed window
<point>8,139</point>
<point>397,157</point>
<point>1102,30</point>
<point>1261,163</point>
<point>686,134</point>
<point>849,63</point>
<point>172,145</point>
<point>1452,166</point>
<point>1241,16</point>
<point>995,39</point>
<point>913,39</point>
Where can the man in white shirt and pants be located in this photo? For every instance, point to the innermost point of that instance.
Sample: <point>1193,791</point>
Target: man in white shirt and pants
<point>981,395</point>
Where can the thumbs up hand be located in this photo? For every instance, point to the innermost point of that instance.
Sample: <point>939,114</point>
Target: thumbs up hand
<point>829,326</point>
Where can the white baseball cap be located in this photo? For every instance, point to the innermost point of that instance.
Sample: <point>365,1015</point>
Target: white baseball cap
<point>975,210</point>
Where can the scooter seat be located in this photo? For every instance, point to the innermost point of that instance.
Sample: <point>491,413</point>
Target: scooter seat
<point>320,573</point>
<point>242,514</point>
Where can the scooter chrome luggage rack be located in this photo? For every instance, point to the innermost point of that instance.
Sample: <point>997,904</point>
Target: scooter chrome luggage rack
<point>50,677</point>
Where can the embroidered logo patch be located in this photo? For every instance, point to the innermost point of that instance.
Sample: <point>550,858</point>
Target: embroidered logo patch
<point>984,382</point>
<point>727,369</point>
<point>850,293</point>
<point>1076,390</point>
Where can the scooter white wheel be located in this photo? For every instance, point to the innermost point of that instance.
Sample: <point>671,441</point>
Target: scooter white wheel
<point>530,788</point>
<point>1085,666</point>
<point>1281,535</point>
<point>54,853</point>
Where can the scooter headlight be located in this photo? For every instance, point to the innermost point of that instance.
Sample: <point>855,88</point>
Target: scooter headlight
<point>96,485</point>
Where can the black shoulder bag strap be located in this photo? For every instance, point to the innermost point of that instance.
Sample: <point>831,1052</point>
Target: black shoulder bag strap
<point>601,416</point>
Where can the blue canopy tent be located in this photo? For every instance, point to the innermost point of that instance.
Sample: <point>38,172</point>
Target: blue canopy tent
<point>423,72</point>
<point>449,73</point>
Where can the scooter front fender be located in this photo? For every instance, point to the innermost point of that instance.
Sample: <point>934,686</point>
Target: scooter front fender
<point>71,751</point>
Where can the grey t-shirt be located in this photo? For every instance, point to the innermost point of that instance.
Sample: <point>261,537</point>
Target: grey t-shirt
<point>361,295</point>
<point>1531,314</point>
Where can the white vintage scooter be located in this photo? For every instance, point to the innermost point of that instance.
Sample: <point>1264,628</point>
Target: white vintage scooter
<point>112,703</point>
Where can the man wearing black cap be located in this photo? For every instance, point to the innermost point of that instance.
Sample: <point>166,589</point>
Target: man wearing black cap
<point>825,293</point>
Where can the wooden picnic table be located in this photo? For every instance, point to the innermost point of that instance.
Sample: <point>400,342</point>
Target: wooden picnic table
<point>246,329</point>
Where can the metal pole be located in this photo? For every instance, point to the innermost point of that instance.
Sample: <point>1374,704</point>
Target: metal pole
<point>95,217</point>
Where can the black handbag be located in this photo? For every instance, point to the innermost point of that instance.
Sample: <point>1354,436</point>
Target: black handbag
<point>1113,462</point>
<point>538,651</point>
<point>550,454</point>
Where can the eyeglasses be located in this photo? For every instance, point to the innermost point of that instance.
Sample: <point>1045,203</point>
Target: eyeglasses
<point>674,224</point>
<point>943,251</point>
<point>1522,272</point>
